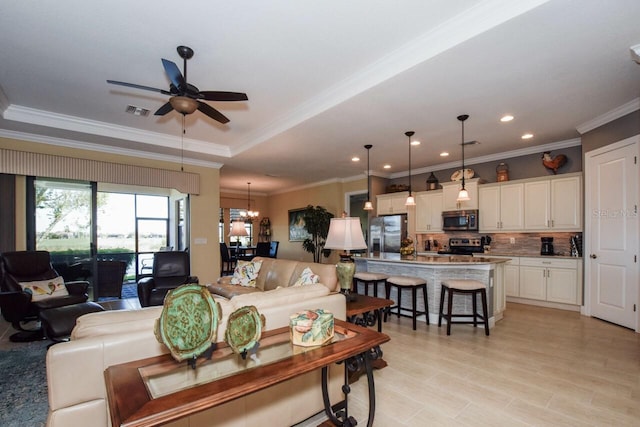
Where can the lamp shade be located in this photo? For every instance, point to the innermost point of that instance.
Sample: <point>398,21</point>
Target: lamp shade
<point>238,229</point>
<point>345,234</point>
<point>463,195</point>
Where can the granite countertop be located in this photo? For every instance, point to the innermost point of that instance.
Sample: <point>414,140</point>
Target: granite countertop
<point>434,259</point>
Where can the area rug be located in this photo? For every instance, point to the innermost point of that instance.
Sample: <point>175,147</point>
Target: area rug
<point>23,385</point>
<point>130,290</point>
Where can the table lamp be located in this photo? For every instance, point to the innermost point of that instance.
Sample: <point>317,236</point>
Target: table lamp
<point>237,230</point>
<point>345,234</point>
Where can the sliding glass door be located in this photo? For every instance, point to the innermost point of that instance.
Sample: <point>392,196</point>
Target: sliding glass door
<point>81,226</point>
<point>63,225</point>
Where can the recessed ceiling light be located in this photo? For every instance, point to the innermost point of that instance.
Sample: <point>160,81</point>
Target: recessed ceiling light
<point>506,118</point>
<point>387,166</point>
<point>527,136</point>
<point>415,142</point>
<point>355,159</point>
<point>444,154</point>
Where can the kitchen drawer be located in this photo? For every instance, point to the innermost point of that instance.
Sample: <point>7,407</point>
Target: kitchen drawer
<point>549,262</point>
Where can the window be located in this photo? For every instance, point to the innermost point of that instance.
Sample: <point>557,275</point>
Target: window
<point>78,224</point>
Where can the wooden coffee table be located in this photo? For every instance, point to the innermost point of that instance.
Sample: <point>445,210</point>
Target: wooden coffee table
<point>158,390</point>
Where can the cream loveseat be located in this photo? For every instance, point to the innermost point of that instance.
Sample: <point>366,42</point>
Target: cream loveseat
<point>75,369</point>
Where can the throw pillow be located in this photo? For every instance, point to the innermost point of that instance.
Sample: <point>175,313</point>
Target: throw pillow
<point>43,289</point>
<point>307,277</point>
<point>246,273</point>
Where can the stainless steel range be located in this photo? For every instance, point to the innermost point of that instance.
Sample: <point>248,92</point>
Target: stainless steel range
<point>461,246</point>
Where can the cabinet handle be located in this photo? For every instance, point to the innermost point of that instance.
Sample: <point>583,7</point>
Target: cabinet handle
<point>552,224</point>
<point>593,256</point>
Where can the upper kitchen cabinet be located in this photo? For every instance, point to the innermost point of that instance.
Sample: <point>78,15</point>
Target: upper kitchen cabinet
<point>501,207</point>
<point>554,203</point>
<point>450,195</point>
<point>429,211</point>
<point>392,203</point>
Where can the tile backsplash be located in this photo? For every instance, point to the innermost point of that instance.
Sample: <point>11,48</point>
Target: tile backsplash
<point>526,244</point>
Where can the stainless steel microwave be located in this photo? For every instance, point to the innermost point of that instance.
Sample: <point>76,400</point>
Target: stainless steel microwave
<point>460,220</point>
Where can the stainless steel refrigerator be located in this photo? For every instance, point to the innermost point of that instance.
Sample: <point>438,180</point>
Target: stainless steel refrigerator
<point>386,233</point>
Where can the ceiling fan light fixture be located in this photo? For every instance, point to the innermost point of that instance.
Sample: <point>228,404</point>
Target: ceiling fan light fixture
<point>183,104</point>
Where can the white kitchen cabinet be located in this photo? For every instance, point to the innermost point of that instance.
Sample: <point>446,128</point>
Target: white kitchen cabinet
<point>503,279</point>
<point>512,277</point>
<point>428,211</point>
<point>501,207</point>
<point>551,279</point>
<point>392,203</point>
<point>450,195</point>
<point>553,204</point>
<point>566,203</point>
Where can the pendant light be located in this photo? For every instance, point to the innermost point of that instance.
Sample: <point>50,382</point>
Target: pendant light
<point>368,206</point>
<point>411,201</point>
<point>463,195</point>
<point>251,214</point>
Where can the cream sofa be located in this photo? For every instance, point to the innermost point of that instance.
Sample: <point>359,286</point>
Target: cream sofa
<point>75,369</point>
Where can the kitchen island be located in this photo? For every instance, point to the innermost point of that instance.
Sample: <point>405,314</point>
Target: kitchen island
<point>434,269</point>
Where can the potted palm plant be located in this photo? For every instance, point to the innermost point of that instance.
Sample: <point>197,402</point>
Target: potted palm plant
<point>316,222</point>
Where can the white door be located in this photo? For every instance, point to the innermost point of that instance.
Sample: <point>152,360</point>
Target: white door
<point>611,249</point>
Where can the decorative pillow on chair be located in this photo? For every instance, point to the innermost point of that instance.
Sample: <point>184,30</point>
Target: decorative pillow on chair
<point>245,273</point>
<point>43,289</point>
<point>307,277</point>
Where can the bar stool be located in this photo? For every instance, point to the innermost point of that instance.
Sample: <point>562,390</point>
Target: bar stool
<point>369,279</point>
<point>407,282</point>
<point>464,286</point>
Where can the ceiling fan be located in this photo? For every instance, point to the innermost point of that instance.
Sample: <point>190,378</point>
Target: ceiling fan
<point>185,97</point>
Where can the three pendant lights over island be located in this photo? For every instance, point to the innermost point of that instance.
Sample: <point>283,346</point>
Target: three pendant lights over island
<point>463,194</point>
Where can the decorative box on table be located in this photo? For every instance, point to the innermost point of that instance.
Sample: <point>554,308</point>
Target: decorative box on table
<point>311,327</point>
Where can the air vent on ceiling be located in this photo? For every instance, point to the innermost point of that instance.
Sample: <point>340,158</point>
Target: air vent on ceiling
<point>137,111</point>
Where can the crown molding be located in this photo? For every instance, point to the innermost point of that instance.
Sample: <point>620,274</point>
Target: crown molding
<point>60,142</point>
<point>76,124</point>
<point>609,116</point>
<point>4,101</point>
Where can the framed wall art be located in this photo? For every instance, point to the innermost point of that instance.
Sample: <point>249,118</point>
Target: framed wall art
<point>297,230</point>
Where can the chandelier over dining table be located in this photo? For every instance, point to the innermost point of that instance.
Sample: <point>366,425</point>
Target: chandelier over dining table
<point>249,214</point>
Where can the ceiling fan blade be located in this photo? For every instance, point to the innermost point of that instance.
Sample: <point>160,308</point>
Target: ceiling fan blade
<point>174,74</point>
<point>153,89</point>
<point>212,112</point>
<point>212,95</point>
<point>163,110</point>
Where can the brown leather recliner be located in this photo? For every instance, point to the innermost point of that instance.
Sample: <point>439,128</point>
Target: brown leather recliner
<point>16,304</point>
<point>170,270</point>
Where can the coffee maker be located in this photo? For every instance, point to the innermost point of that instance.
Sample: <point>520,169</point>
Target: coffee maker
<point>547,246</point>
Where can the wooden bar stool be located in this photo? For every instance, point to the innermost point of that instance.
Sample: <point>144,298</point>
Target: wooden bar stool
<point>369,279</point>
<point>408,282</point>
<point>464,286</point>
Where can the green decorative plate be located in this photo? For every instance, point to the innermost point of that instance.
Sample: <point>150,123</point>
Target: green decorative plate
<point>188,322</point>
<point>244,329</point>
